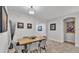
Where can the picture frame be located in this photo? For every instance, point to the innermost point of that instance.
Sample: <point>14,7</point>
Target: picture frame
<point>53,26</point>
<point>39,28</point>
<point>20,25</point>
<point>70,27</point>
<point>29,26</point>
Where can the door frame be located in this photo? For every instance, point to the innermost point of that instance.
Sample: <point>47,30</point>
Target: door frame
<point>74,19</point>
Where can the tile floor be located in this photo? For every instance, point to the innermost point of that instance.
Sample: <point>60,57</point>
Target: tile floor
<point>56,47</point>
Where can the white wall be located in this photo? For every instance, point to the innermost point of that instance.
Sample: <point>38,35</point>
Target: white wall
<point>58,35</point>
<point>3,42</point>
<point>77,31</point>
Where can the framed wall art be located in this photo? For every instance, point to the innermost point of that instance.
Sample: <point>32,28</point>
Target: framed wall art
<point>53,26</point>
<point>39,28</point>
<point>20,25</point>
<point>29,26</point>
<point>70,27</point>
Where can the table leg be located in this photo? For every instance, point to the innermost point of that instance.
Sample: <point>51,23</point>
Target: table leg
<point>39,46</point>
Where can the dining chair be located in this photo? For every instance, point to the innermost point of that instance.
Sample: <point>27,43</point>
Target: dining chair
<point>33,47</point>
<point>43,45</point>
<point>18,49</point>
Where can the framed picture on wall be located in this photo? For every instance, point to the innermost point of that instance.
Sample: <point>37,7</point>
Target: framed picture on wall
<point>70,27</point>
<point>20,25</point>
<point>39,28</point>
<point>53,26</point>
<point>29,26</point>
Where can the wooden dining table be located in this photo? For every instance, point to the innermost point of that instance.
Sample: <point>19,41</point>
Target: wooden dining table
<point>25,41</point>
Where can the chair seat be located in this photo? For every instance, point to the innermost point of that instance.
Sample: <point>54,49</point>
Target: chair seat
<point>33,47</point>
<point>43,45</point>
<point>17,48</point>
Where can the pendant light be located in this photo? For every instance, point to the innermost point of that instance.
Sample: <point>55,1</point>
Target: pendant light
<point>31,10</point>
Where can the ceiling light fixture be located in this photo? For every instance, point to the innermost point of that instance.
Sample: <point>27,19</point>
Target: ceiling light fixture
<point>31,10</point>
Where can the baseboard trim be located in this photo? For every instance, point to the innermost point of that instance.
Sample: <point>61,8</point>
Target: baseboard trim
<point>57,40</point>
<point>70,42</point>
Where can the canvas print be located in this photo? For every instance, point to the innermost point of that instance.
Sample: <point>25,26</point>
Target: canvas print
<point>29,26</point>
<point>20,25</point>
<point>70,27</point>
<point>53,26</point>
<point>39,28</point>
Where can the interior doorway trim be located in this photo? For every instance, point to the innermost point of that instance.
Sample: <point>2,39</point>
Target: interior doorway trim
<point>65,29</point>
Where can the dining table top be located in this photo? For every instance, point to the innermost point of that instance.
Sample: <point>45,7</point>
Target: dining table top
<point>24,41</point>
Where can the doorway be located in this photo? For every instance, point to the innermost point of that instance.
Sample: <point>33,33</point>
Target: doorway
<point>69,30</point>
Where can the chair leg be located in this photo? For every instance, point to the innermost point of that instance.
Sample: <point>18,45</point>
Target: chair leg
<point>37,50</point>
<point>22,51</point>
<point>45,49</point>
<point>40,49</point>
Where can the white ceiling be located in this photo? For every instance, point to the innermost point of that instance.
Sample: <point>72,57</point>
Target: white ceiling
<point>45,12</point>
